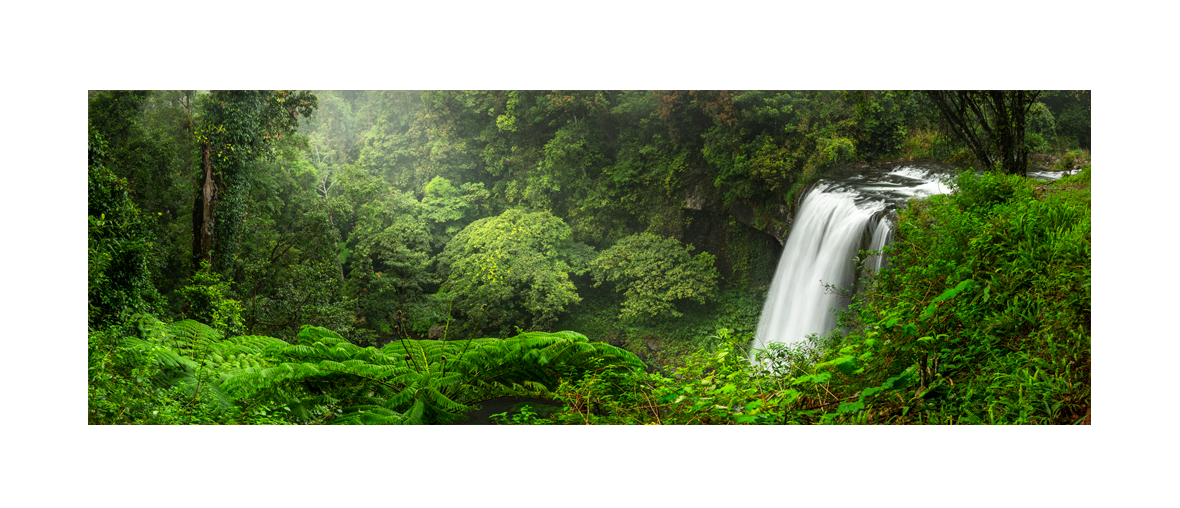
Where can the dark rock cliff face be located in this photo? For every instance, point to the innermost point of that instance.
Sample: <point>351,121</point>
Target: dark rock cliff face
<point>746,238</point>
<point>745,254</point>
<point>772,220</point>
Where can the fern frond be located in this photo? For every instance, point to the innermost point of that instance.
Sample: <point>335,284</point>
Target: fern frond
<point>193,336</point>
<point>414,416</point>
<point>382,385</point>
<point>444,403</point>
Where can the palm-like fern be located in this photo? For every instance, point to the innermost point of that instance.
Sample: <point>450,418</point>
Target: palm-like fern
<point>180,354</point>
<point>409,381</point>
<point>406,382</point>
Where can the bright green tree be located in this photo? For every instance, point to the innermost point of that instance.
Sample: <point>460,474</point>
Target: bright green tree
<point>513,270</point>
<point>655,273</point>
<point>449,208</point>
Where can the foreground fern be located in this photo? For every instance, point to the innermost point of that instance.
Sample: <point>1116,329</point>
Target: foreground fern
<point>406,382</point>
<point>324,378</point>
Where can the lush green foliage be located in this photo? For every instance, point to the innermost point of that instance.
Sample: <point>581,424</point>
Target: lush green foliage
<point>1071,115</point>
<point>419,381</point>
<point>715,387</point>
<point>762,142</point>
<point>119,234</point>
<point>199,377</point>
<point>453,214</point>
<point>207,300</point>
<point>390,257</point>
<point>986,305</point>
<point>513,270</point>
<point>654,273</point>
<point>147,372</point>
<point>882,116</point>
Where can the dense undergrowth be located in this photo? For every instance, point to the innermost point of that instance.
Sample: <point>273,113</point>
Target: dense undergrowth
<point>666,343</point>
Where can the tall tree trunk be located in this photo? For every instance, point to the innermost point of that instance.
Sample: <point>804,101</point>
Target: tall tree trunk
<point>203,225</point>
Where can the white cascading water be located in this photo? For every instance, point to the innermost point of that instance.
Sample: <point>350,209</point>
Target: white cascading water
<point>882,235</point>
<point>832,222</point>
<point>819,251</point>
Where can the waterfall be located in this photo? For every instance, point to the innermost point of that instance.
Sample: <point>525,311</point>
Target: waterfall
<point>834,222</point>
<point>820,250</point>
<point>882,235</point>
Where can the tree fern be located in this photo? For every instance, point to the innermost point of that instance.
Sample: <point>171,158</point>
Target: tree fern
<point>323,377</point>
<point>177,354</point>
<point>411,381</point>
<point>192,338</point>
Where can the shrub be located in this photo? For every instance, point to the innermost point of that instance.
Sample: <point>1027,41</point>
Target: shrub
<point>207,300</point>
<point>1068,162</point>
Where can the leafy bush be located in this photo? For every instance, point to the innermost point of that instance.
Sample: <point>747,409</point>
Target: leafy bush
<point>147,372</point>
<point>207,300</point>
<point>716,386</point>
<point>884,133</point>
<point>306,293</point>
<point>524,415</point>
<point>834,151</point>
<point>980,192</point>
<point>923,143</point>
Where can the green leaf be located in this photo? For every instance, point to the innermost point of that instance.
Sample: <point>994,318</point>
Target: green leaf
<point>846,364</point>
<point>869,392</point>
<point>790,396</point>
<point>926,314</point>
<point>950,293</point>
<point>850,407</point>
<point>946,295</point>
